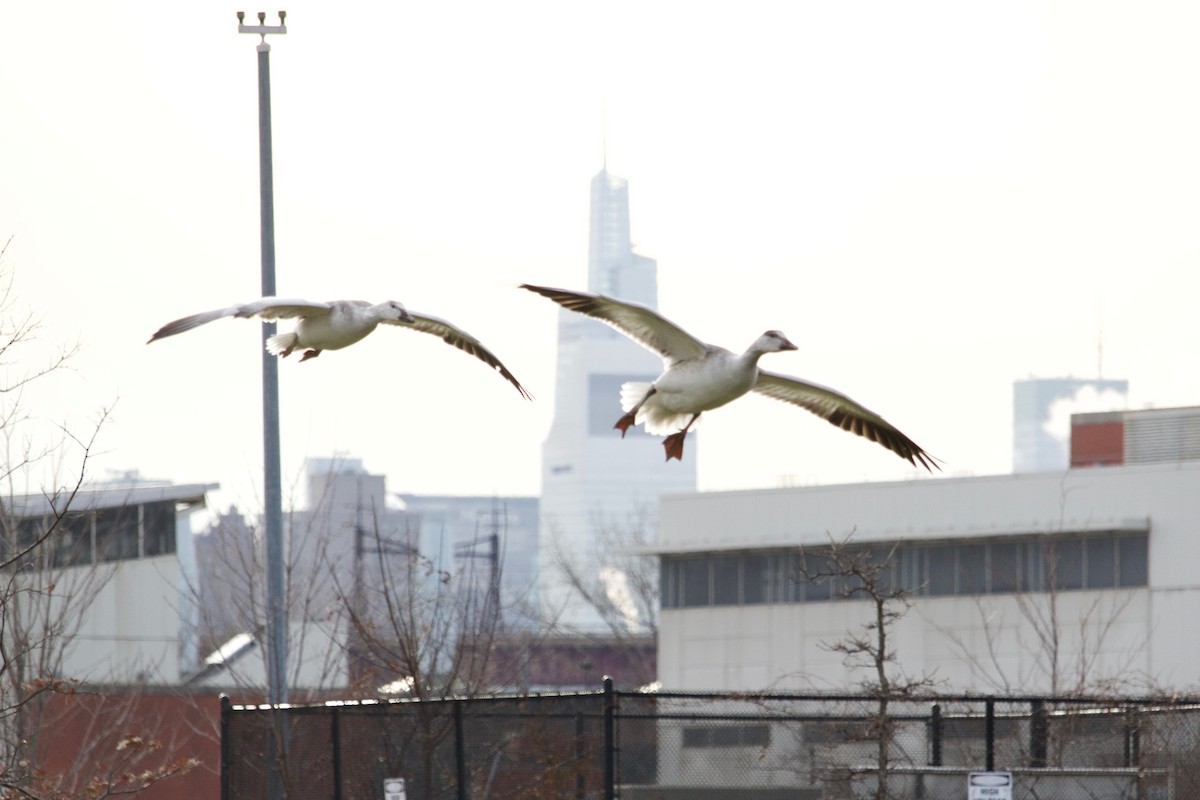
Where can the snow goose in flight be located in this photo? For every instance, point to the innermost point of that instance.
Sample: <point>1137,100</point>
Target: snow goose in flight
<point>698,377</point>
<point>338,324</point>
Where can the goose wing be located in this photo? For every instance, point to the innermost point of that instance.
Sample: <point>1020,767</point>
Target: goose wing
<point>457,337</point>
<point>843,412</point>
<point>267,308</point>
<point>645,326</point>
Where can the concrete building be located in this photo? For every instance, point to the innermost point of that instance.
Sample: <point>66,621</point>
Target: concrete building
<point>106,597</point>
<point>596,485</point>
<point>1040,582</point>
<point>1146,436</point>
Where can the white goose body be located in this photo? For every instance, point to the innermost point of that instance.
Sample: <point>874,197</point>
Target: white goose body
<point>337,324</point>
<point>699,377</point>
<point>347,322</point>
<point>689,387</point>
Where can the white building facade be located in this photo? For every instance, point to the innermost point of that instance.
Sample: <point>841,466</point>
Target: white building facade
<point>100,584</point>
<point>1083,580</point>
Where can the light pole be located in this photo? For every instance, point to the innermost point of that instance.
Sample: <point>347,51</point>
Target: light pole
<point>272,491</point>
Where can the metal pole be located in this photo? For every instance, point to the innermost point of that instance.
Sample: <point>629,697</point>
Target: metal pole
<point>610,740</point>
<point>225,745</point>
<point>989,734</point>
<point>460,752</point>
<point>1039,733</point>
<point>935,736</point>
<point>272,491</point>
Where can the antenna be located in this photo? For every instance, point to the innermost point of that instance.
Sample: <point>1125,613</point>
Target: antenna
<point>1100,338</point>
<point>604,130</point>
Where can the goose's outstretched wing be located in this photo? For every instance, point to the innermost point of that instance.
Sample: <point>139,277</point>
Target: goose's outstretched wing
<point>645,326</point>
<point>457,337</point>
<point>843,412</point>
<point>267,308</point>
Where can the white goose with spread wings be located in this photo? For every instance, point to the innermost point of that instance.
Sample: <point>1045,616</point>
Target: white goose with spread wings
<point>698,377</point>
<point>337,324</point>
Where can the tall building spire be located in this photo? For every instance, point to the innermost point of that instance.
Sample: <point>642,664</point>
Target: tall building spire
<point>597,486</point>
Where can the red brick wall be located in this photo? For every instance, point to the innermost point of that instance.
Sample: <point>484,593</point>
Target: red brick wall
<point>1097,444</point>
<point>81,736</point>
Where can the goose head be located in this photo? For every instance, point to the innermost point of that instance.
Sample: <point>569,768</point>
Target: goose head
<point>771,342</point>
<point>392,311</point>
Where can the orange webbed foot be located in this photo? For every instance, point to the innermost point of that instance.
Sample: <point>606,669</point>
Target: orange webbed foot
<point>673,444</point>
<point>625,423</point>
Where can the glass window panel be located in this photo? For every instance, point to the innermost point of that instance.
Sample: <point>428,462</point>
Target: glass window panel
<point>1066,560</point>
<point>71,541</point>
<point>754,579</point>
<point>1032,574</point>
<point>942,569</point>
<point>972,569</point>
<point>725,580</point>
<point>117,534</point>
<point>666,586</point>
<point>816,576</point>
<point>1132,561</point>
<point>1003,570</point>
<point>158,525</point>
<point>904,569</point>
<point>695,581</point>
<point>1101,554</point>
<point>786,581</point>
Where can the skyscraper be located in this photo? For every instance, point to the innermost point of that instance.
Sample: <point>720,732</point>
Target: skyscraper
<point>598,488</point>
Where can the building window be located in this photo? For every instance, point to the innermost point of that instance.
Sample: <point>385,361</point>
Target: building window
<point>70,543</point>
<point>728,736</point>
<point>1003,567</point>
<point>117,534</point>
<point>972,568</point>
<point>695,582</point>
<point>158,526</point>
<point>755,574</point>
<point>1132,561</point>
<point>1101,555</point>
<point>1064,561</point>
<point>942,569</point>
<point>1015,564</point>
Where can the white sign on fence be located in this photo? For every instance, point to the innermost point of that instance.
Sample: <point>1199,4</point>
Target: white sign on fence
<point>989,786</point>
<point>393,789</point>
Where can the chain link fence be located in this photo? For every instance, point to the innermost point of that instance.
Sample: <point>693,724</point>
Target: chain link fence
<point>669,746</point>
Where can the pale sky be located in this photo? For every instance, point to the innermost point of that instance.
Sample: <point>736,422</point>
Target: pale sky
<point>931,199</point>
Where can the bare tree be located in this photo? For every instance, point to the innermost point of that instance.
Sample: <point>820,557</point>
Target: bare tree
<point>866,574</point>
<point>48,577</point>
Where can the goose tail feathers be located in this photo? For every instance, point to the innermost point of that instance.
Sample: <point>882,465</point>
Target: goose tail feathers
<point>281,344</point>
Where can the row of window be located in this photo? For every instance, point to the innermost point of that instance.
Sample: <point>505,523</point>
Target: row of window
<point>1024,564</point>
<point>89,537</point>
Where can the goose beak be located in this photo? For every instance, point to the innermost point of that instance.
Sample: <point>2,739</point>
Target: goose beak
<point>787,345</point>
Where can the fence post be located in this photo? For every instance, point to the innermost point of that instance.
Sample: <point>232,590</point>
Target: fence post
<point>460,751</point>
<point>225,711</point>
<point>335,741</point>
<point>989,734</point>
<point>610,740</point>
<point>935,735</point>
<point>1039,732</point>
<point>580,766</point>
<point>1133,756</point>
